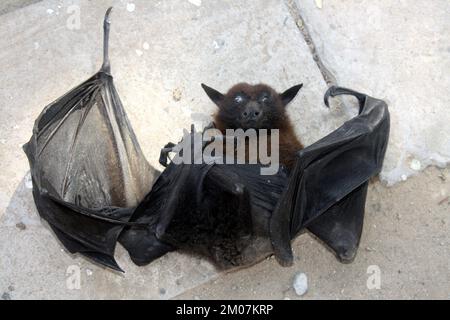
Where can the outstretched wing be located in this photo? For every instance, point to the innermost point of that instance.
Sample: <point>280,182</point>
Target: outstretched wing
<point>84,156</point>
<point>327,187</point>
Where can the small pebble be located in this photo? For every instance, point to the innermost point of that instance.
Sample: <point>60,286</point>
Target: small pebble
<point>21,226</point>
<point>146,46</point>
<point>50,11</point>
<point>139,52</point>
<point>300,284</point>
<point>415,165</point>
<point>131,7</point>
<point>176,94</point>
<point>404,177</point>
<point>89,272</point>
<point>196,298</point>
<point>234,288</point>
<point>162,291</point>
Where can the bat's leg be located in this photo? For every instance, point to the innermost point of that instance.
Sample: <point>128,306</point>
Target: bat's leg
<point>336,91</point>
<point>340,227</point>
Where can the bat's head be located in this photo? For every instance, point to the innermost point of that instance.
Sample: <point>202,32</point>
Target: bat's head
<point>247,106</point>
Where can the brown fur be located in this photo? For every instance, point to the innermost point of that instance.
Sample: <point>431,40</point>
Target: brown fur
<point>277,118</point>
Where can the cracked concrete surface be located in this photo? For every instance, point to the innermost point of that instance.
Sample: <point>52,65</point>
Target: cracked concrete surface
<point>161,51</point>
<point>400,52</point>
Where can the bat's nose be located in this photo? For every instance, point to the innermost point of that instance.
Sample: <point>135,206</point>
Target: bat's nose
<point>252,112</point>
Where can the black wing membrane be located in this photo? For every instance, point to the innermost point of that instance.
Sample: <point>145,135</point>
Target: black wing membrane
<point>327,188</point>
<point>87,167</point>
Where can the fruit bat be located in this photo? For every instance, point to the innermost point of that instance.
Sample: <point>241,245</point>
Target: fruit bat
<point>93,186</point>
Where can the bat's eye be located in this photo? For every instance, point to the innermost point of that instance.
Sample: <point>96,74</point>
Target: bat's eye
<point>238,99</point>
<point>265,98</point>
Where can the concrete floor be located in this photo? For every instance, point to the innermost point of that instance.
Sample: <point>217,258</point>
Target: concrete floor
<point>159,48</point>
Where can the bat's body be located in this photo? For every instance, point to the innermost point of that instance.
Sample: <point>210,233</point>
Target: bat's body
<point>247,106</point>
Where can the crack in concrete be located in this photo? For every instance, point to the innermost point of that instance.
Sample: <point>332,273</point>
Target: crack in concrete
<point>327,75</point>
<point>7,6</point>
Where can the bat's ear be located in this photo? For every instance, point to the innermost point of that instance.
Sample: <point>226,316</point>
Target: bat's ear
<point>290,94</point>
<point>213,94</point>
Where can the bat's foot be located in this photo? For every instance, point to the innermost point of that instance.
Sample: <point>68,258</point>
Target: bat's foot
<point>142,246</point>
<point>346,254</point>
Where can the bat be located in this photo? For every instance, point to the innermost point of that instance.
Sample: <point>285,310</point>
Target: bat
<point>94,187</point>
<point>257,107</point>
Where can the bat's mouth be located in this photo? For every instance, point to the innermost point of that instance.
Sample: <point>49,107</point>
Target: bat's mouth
<point>250,124</point>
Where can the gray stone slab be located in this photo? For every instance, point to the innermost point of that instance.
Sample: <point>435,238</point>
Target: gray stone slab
<point>399,51</point>
<point>156,49</point>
